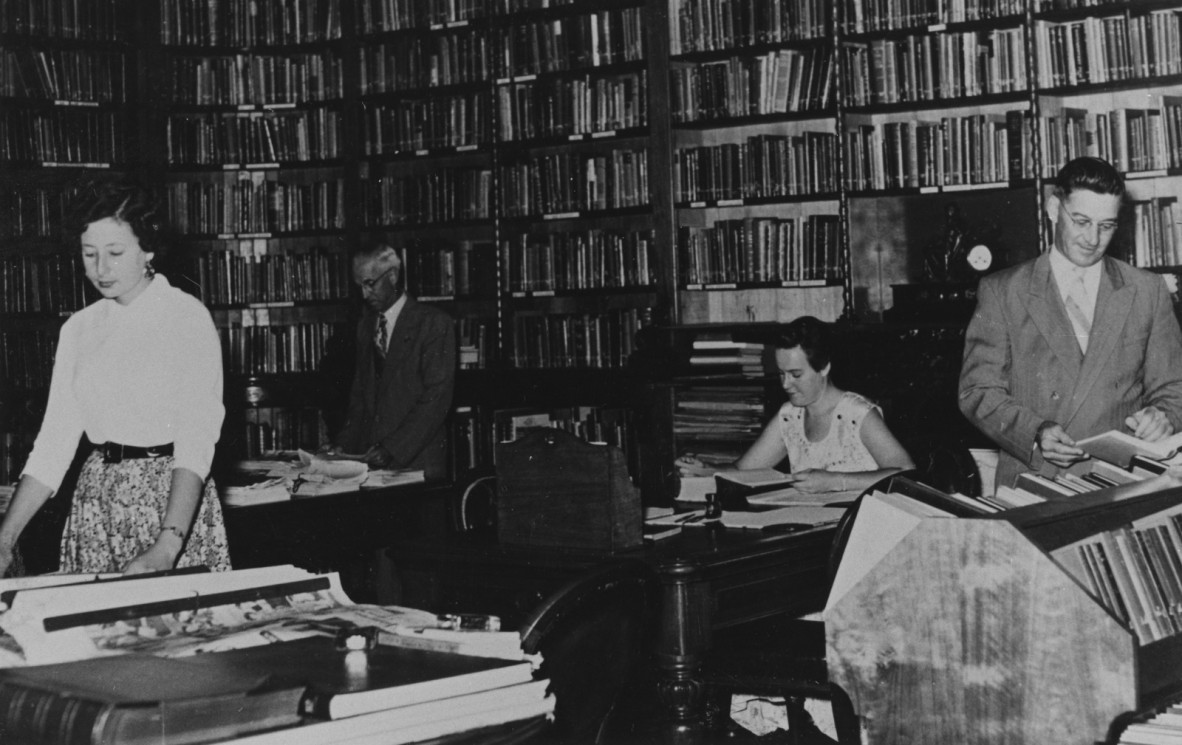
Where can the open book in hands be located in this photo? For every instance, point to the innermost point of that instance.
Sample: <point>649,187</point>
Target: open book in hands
<point>1118,448</point>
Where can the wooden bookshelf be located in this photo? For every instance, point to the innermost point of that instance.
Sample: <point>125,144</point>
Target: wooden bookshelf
<point>989,630</point>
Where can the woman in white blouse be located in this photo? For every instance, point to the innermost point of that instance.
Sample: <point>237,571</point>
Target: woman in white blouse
<point>139,372</point>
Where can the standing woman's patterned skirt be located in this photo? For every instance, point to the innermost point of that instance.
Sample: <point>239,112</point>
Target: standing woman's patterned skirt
<point>117,512</point>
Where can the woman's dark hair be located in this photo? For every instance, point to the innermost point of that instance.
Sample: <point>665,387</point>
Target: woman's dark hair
<point>125,199</point>
<point>1092,174</point>
<point>813,336</point>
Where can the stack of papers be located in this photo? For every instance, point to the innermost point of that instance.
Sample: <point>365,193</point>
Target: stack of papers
<point>313,475</point>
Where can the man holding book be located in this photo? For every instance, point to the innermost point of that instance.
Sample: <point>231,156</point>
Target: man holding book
<point>1074,342</point>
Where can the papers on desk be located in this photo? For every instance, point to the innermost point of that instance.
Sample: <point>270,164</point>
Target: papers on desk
<point>795,497</point>
<point>800,517</point>
<point>312,475</point>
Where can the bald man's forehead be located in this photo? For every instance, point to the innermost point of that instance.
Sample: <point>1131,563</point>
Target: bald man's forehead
<point>381,260</point>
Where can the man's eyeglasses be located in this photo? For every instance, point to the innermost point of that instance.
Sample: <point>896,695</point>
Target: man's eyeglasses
<point>370,284</point>
<point>1084,224</point>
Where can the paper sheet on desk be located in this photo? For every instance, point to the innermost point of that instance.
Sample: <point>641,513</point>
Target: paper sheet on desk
<point>798,515</point>
<point>792,496</point>
<point>335,467</point>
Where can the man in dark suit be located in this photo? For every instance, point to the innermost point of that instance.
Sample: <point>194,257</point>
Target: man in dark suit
<point>405,371</point>
<point>1072,343</point>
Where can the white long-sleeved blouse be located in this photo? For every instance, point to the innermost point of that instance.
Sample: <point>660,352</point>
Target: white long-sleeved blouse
<point>143,374</point>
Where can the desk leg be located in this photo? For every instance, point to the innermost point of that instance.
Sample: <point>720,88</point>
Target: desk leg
<point>686,619</point>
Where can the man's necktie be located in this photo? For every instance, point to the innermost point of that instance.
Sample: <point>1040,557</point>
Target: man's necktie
<point>381,336</point>
<point>1078,307</point>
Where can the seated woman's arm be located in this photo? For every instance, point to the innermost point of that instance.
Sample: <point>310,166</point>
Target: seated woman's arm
<point>890,456</point>
<point>766,452</point>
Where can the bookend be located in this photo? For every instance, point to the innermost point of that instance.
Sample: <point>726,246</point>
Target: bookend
<point>557,490</point>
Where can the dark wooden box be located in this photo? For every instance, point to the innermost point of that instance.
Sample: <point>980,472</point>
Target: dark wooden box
<point>556,490</point>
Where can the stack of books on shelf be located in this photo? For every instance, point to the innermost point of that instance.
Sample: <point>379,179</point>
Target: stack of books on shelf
<point>718,423</point>
<point>272,655</point>
<point>724,356</point>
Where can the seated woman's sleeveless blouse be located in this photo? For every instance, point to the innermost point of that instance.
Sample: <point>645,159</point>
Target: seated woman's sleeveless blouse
<point>841,449</point>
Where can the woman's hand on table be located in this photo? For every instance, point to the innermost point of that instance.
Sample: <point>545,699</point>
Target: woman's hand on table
<point>690,465</point>
<point>817,480</point>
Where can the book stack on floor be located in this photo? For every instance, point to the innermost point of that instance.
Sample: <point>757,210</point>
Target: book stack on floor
<point>272,656</point>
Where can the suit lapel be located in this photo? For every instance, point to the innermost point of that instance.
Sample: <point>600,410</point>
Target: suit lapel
<point>1114,300</point>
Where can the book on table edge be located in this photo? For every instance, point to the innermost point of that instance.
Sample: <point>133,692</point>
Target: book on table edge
<point>135,698</point>
<point>342,685</point>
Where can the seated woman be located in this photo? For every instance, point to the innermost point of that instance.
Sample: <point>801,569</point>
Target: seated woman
<point>834,440</point>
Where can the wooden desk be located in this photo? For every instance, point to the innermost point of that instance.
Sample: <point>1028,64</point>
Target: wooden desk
<point>342,533</point>
<point>712,579</point>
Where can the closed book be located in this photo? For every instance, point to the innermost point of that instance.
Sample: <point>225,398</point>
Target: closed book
<point>343,684</point>
<point>131,699</point>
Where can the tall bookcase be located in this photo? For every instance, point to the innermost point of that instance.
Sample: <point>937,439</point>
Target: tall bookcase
<point>68,98</point>
<point>251,126</point>
<point>560,174</point>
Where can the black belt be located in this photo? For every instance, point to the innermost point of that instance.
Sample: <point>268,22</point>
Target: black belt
<point>113,452</point>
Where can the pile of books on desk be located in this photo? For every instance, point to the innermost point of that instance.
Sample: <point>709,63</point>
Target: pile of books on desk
<point>250,654</point>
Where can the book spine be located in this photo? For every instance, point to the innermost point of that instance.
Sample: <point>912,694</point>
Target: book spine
<point>33,716</point>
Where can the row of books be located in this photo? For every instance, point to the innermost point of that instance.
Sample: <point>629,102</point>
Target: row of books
<point>865,16</point>
<point>717,422</point>
<point>255,79</point>
<point>713,25</point>
<point>440,196</point>
<point>1132,139</point>
<point>244,275</point>
<point>560,107</point>
<point>588,340</point>
<point>452,57</point>
<point>467,269</point>
<point>377,16</point>
<point>607,37</point>
<point>274,348</point>
<point>31,211</point>
<point>721,358</point>
<point>1157,233</point>
<point>761,166</point>
<point>934,66</point>
<point>1105,49</point>
<point>477,338</point>
<point>27,354</point>
<point>76,75</point>
<point>255,137</point>
<point>788,80</point>
<point>236,202</point>
<point>956,151</point>
<point>1137,573</point>
<point>101,20</point>
<point>762,249</point>
<point>572,182</point>
<point>246,23</point>
<point>268,429</point>
<point>458,120</point>
<point>595,259</point>
<point>45,283</point>
<point>62,135</point>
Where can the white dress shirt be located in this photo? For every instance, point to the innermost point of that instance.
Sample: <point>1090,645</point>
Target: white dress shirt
<point>147,373</point>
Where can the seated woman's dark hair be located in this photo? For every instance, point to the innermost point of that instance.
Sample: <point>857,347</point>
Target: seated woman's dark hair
<point>125,199</point>
<point>813,336</point>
